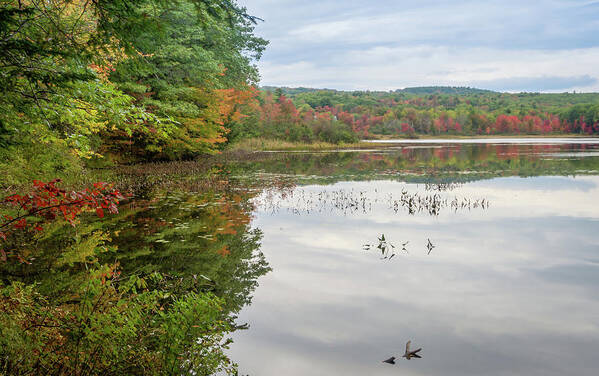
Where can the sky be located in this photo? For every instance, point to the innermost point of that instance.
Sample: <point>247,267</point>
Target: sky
<point>505,45</point>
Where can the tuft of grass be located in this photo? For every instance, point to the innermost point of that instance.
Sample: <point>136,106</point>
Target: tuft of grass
<point>265,144</point>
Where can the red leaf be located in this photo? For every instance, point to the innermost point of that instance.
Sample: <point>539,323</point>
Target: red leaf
<point>22,223</point>
<point>47,202</point>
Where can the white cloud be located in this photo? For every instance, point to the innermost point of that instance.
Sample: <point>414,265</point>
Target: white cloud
<point>385,44</point>
<point>384,68</point>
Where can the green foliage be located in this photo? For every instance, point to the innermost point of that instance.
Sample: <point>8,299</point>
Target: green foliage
<point>132,294</point>
<point>138,78</point>
<point>110,328</point>
<point>126,79</point>
<point>180,68</point>
<point>442,90</point>
<point>334,133</point>
<point>277,118</point>
<point>589,112</point>
<point>23,162</point>
<point>50,94</point>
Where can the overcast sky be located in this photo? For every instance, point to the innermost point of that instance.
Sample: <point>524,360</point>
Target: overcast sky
<point>505,45</point>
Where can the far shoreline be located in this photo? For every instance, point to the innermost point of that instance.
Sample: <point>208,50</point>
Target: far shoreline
<point>482,136</point>
<point>261,144</point>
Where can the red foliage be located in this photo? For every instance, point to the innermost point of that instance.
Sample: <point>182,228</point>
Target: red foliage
<point>361,125</point>
<point>48,203</point>
<point>366,119</point>
<point>406,128</point>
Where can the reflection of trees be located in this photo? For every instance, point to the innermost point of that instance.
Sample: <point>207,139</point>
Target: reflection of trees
<point>425,164</point>
<point>202,241</point>
<point>164,278</point>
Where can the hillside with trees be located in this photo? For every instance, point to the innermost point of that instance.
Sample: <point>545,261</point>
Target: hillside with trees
<point>302,114</point>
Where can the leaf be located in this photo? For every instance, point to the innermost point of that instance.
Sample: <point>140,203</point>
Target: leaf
<point>21,224</point>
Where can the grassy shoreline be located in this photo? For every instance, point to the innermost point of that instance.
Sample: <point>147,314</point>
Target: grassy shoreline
<point>262,144</point>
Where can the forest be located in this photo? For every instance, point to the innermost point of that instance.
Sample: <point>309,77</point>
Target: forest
<point>89,90</point>
<point>102,81</point>
<point>411,112</point>
<point>91,84</point>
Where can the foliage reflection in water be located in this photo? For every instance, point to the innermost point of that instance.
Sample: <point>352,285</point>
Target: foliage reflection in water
<point>491,245</point>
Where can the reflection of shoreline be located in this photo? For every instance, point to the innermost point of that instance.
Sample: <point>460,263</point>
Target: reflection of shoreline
<point>427,163</point>
<point>413,164</point>
<point>203,241</point>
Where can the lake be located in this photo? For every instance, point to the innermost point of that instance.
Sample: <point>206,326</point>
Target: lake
<point>484,254</point>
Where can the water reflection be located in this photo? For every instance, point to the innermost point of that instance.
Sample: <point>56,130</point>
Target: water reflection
<point>470,282</point>
<point>408,354</point>
<point>428,164</point>
<point>505,280</point>
<point>441,187</point>
<point>495,141</point>
<point>349,201</point>
<point>386,248</point>
<point>203,242</point>
<point>279,237</point>
<point>429,246</point>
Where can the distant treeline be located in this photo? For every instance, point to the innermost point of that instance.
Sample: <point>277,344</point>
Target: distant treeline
<point>304,114</point>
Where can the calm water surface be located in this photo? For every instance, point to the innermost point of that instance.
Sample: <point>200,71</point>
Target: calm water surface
<point>496,141</point>
<point>490,258</point>
<point>509,288</point>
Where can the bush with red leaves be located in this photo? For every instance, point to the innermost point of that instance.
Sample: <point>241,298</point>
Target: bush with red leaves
<point>47,203</point>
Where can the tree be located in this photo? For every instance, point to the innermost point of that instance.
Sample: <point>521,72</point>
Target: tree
<point>181,67</point>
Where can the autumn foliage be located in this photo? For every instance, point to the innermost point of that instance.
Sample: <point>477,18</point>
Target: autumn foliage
<point>301,113</point>
<point>47,203</point>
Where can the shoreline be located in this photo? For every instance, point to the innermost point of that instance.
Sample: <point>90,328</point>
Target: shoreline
<point>258,144</point>
<point>485,136</point>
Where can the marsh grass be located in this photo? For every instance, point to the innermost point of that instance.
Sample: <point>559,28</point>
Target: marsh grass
<point>264,144</point>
